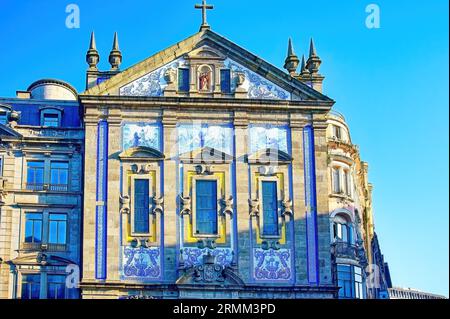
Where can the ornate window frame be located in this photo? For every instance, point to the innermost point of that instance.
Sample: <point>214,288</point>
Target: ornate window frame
<point>197,166</point>
<point>276,179</point>
<point>341,167</point>
<point>141,163</point>
<point>215,235</point>
<point>133,179</point>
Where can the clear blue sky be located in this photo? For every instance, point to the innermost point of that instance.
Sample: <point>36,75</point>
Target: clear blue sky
<point>391,83</point>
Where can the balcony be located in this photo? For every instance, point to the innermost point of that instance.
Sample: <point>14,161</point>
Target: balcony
<point>59,187</point>
<point>43,247</point>
<point>344,250</point>
<point>36,186</point>
<point>47,187</point>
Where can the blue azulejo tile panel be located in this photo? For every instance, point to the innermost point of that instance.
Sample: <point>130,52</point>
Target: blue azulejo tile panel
<point>272,265</point>
<point>153,83</point>
<point>268,136</point>
<point>193,256</point>
<point>141,264</point>
<point>141,134</point>
<point>256,86</point>
<point>198,135</point>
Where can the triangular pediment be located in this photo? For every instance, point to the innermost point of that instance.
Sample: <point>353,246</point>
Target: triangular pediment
<point>251,77</point>
<point>40,258</point>
<point>206,155</point>
<point>269,156</point>
<point>6,131</point>
<point>141,152</point>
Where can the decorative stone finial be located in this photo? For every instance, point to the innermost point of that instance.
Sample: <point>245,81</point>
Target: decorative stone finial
<point>303,70</point>
<point>115,57</point>
<point>292,60</point>
<point>92,56</point>
<point>314,61</point>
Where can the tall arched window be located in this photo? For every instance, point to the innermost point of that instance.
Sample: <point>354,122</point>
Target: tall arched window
<point>342,229</point>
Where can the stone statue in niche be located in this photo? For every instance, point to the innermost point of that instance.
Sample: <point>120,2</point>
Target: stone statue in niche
<point>204,79</point>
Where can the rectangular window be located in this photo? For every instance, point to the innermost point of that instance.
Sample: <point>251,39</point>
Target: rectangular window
<point>347,183</point>
<point>56,287</point>
<point>336,181</point>
<point>31,286</point>
<point>337,132</point>
<point>206,202</point>
<point>33,228</point>
<point>350,281</point>
<point>359,294</point>
<point>3,118</point>
<point>1,166</point>
<point>57,229</point>
<point>35,175</point>
<point>225,81</point>
<point>270,208</point>
<point>345,281</point>
<point>183,80</point>
<point>50,120</point>
<point>59,176</point>
<point>141,206</point>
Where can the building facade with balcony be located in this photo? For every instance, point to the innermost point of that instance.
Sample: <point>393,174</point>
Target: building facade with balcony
<point>41,158</point>
<point>351,218</point>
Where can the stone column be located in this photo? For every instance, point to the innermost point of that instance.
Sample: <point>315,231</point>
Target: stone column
<point>242,193</point>
<point>170,191</point>
<point>323,220</point>
<point>297,123</point>
<point>90,175</point>
<point>113,218</point>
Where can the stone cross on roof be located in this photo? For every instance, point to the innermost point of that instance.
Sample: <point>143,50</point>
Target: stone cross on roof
<point>204,7</point>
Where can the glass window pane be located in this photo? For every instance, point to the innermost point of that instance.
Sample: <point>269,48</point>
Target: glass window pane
<point>31,286</point>
<point>62,232</point>
<point>183,80</point>
<point>225,81</point>
<point>33,228</point>
<point>141,206</point>
<point>59,174</point>
<point>35,173</point>
<point>53,232</point>
<point>51,120</point>
<point>206,202</point>
<point>270,208</point>
<point>56,287</point>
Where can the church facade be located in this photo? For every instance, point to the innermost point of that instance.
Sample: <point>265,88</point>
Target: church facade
<point>207,173</point>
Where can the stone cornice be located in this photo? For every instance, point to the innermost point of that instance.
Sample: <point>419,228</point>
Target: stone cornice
<point>248,105</point>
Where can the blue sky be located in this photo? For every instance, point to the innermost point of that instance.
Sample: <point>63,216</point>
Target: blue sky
<point>391,83</point>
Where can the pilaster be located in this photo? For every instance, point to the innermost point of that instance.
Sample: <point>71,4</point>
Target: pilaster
<point>297,123</point>
<point>242,193</point>
<point>170,192</point>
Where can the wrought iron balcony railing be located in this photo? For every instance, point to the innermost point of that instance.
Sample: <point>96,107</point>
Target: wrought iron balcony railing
<point>46,187</point>
<point>59,187</point>
<point>36,186</point>
<point>344,250</point>
<point>43,247</point>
